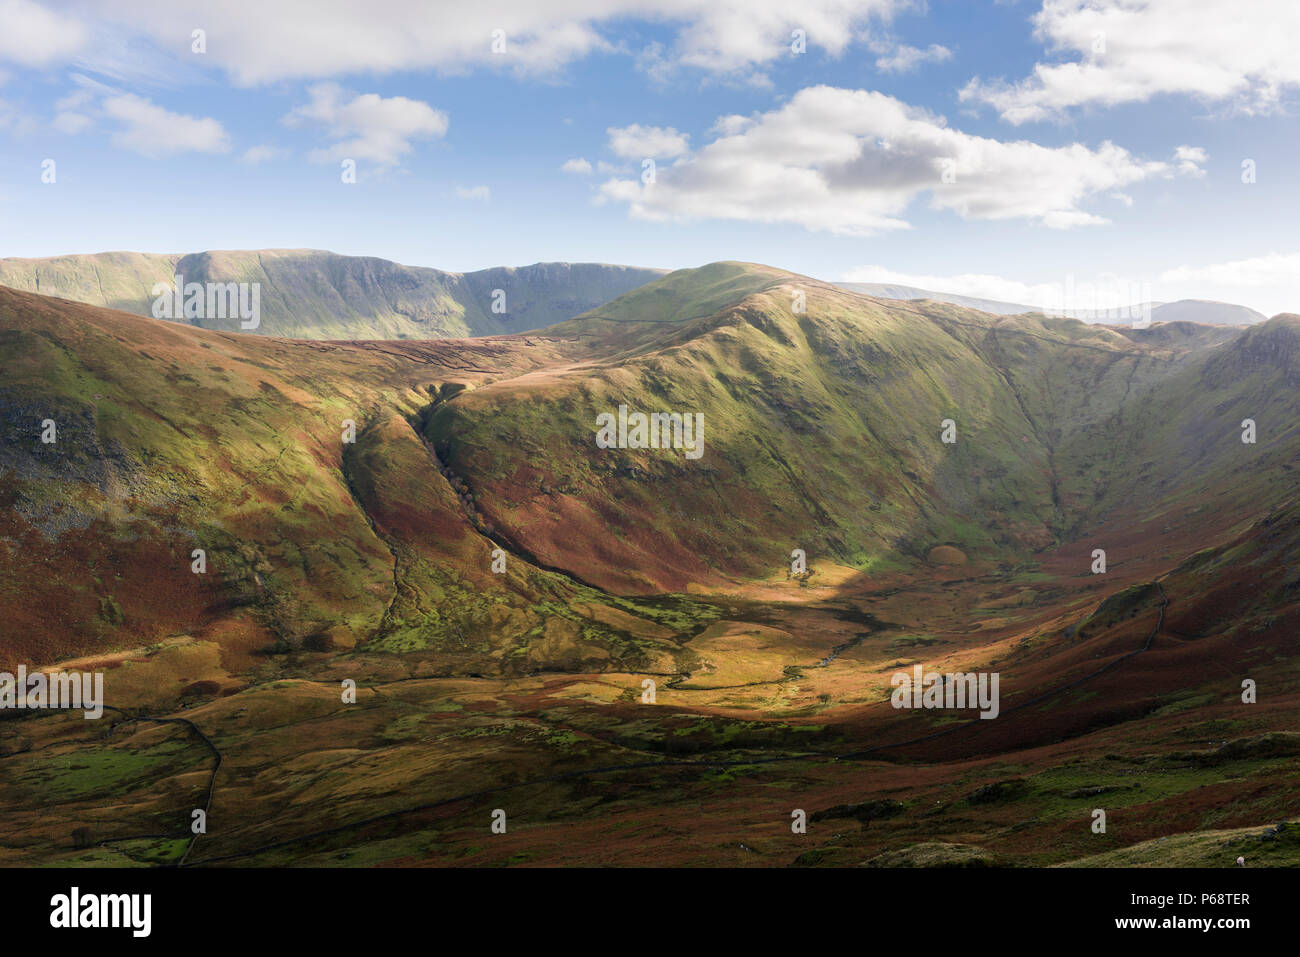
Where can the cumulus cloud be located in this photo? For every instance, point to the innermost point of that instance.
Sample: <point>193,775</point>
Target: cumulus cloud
<point>907,58</point>
<point>473,192</point>
<point>576,165</point>
<point>1132,50</point>
<point>368,126</point>
<point>637,142</point>
<point>34,35</point>
<point>305,39</point>
<point>851,161</point>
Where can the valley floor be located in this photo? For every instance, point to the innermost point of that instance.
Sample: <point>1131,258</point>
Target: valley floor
<point>794,716</point>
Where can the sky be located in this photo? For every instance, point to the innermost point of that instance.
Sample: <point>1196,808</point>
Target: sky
<point>1110,151</point>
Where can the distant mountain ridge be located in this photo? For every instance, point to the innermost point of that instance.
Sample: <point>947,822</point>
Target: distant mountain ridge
<point>1205,311</point>
<point>313,294</point>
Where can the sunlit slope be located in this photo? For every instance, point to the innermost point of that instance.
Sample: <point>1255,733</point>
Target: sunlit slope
<point>823,418</point>
<point>118,280</point>
<point>170,439</point>
<point>823,415</point>
<point>312,294</point>
<point>822,431</point>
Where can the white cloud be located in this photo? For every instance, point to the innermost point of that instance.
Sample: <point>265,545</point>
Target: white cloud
<point>473,192</point>
<point>1191,159</point>
<point>1275,269</point>
<point>637,142</point>
<point>71,111</point>
<point>1269,283</point>
<point>33,35</point>
<point>977,285</point>
<point>367,127</point>
<point>142,126</point>
<point>577,165</point>
<point>14,121</point>
<point>851,161</point>
<point>70,122</point>
<point>1132,50</point>
<point>907,58</point>
<point>1102,298</point>
<point>302,39</point>
<point>257,155</point>
<point>150,130</point>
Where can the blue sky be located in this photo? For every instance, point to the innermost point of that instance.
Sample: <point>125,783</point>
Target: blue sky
<point>1097,142</point>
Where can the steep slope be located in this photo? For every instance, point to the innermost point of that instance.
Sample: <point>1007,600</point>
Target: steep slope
<point>823,415</point>
<point>168,439</point>
<point>823,432</point>
<point>309,294</point>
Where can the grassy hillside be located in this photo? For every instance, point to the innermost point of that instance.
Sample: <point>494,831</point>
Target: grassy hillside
<point>171,438</point>
<point>823,432</point>
<point>309,294</point>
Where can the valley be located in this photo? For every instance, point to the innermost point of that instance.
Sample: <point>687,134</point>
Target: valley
<point>476,690</point>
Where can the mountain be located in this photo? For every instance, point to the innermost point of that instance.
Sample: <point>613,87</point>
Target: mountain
<point>441,523</point>
<point>1207,312</point>
<point>820,430</point>
<point>895,291</point>
<point>309,294</point>
<point>1204,311</point>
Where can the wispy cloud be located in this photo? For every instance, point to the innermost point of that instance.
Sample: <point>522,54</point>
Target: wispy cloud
<point>906,58</point>
<point>151,130</point>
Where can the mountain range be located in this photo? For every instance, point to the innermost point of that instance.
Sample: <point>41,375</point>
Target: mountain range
<point>1205,311</point>
<point>311,294</point>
